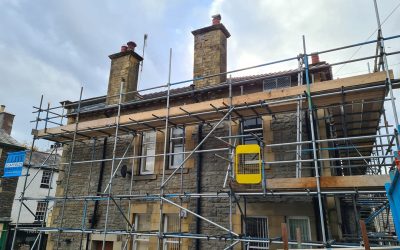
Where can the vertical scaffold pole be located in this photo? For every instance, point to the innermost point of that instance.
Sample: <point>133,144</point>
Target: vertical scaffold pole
<point>310,111</point>
<point>69,170</point>
<point>160,238</point>
<point>230,158</point>
<point>113,163</point>
<point>26,176</point>
<point>48,193</point>
<point>93,155</point>
<point>299,123</point>
<point>385,65</point>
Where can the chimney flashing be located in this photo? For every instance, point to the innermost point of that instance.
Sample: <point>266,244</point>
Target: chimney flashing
<point>219,26</point>
<point>125,53</point>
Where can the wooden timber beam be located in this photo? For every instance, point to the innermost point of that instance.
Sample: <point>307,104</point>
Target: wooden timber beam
<point>178,116</point>
<point>375,182</point>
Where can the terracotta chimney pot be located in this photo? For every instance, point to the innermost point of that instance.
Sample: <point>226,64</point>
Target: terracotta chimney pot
<point>314,58</point>
<point>216,19</point>
<point>131,45</point>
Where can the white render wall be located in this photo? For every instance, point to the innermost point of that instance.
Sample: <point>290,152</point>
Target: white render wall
<point>33,190</point>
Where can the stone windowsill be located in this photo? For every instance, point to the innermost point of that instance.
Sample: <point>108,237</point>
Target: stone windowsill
<point>144,177</point>
<point>169,171</point>
<point>154,176</point>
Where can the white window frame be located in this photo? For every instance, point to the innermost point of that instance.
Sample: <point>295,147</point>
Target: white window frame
<point>248,244</point>
<point>142,238</point>
<point>169,240</point>
<point>302,218</point>
<point>172,146</point>
<point>146,168</point>
<point>47,183</point>
<point>42,211</point>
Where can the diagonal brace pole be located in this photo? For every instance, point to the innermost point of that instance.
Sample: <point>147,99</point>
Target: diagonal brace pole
<point>119,164</point>
<point>122,212</point>
<point>197,147</point>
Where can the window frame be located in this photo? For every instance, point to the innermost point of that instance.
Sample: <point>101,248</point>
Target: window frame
<point>143,160</point>
<point>172,146</point>
<point>40,214</point>
<point>299,217</point>
<point>44,184</point>
<point>258,129</point>
<point>288,79</point>
<point>138,238</point>
<point>264,245</point>
<point>165,229</point>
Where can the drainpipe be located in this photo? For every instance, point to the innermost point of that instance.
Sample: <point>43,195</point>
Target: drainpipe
<point>199,163</point>
<point>93,220</point>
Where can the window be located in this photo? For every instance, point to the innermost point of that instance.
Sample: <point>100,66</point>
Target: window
<point>257,227</point>
<point>41,211</point>
<point>301,222</point>
<point>149,150</point>
<point>142,224</point>
<point>276,83</point>
<point>177,147</point>
<point>252,126</point>
<point>171,225</point>
<point>46,176</point>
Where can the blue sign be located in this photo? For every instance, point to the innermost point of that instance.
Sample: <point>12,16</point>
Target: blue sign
<point>14,164</point>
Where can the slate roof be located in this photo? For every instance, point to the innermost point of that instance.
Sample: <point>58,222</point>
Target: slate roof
<point>98,103</point>
<point>38,158</point>
<point>7,140</point>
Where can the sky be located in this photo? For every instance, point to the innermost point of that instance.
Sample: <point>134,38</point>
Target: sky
<point>56,47</point>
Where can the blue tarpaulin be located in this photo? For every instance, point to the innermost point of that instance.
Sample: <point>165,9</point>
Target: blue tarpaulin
<point>14,164</point>
<point>393,194</point>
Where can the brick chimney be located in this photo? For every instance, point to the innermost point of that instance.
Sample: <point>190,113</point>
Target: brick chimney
<point>210,52</point>
<point>6,120</point>
<point>124,67</point>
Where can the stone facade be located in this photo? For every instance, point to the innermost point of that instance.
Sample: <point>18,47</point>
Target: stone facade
<point>213,170</point>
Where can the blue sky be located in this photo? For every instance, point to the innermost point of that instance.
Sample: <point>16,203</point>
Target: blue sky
<point>55,47</point>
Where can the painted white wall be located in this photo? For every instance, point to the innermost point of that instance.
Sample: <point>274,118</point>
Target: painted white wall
<point>34,190</point>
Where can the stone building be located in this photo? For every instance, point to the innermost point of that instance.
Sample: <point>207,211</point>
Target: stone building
<point>137,178</point>
<point>34,213</point>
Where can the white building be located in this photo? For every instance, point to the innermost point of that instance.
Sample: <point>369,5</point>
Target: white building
<point>40,183</point>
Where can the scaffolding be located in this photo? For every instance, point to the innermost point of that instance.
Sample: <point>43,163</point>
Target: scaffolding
<point>356,102</point>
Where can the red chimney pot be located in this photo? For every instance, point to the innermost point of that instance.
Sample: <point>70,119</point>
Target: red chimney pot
<point>124,48</point>
<point>314,58</point>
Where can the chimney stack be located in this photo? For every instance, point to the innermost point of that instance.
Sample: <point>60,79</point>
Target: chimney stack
<point>6,120</point>
<point>124,68</point>
<point>210,55</point>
